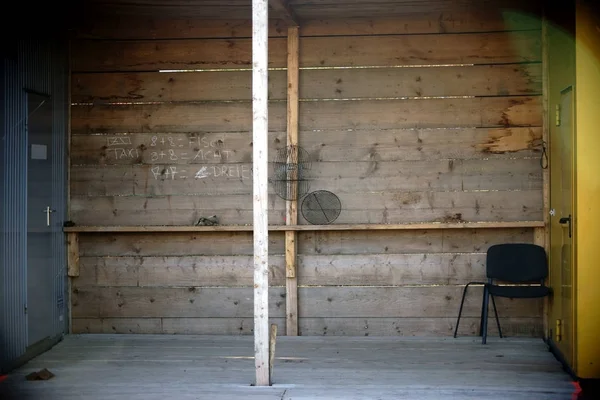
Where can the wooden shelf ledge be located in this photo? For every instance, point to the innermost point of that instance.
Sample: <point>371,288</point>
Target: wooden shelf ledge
<point>333,227</point>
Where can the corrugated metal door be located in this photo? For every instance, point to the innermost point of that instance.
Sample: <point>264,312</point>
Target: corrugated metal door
<point>31,66</point>
<point>40,218</point>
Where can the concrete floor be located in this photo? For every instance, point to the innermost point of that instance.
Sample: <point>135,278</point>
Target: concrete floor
<point>148,367</point>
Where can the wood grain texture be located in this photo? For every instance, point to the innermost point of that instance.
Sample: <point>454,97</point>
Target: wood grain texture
<point>177,271</point>
<point>168,148</point>
<point>428,113</point>
<point>165,87</point>
<point>391,269</point>
<point>363,242</point>
<point>140,27</point>
<point>305,228</point>
<point>176,217</point>
<point>169,326</point>
<point>349,368</point>
<point>329,115</point>
<point>282,10</point>
<point>421,144</point>
<point>108,55</point>
<point>174,302</point>
<point>322,145</point>
<point>448,21</point>
<point>422,327</point>
<point>394,302</point>
<point>350,302</point>
<point>175,244</point>
<point>433,164</point>
<point>408,242</point>
<point>477,80</point>
<point>478,48</point>
<point>367,207</point>
<point>73,254</point>
<point>118,325</point>
<point>291,306</point>
<point>468,48</point>
<point>172,118</point>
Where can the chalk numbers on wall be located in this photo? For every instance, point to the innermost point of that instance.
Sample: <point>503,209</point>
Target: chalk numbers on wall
<point>194,157</point>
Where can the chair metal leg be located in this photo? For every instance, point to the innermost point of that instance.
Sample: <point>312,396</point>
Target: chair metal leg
<point>462,302</point>
<point>485,314</point>
<point>496,314</point>
<point>482,314</point>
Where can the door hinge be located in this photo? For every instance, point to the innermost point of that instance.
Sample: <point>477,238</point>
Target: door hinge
<point>25,309</point>
<point>558,330</point>
<point>558,115</point>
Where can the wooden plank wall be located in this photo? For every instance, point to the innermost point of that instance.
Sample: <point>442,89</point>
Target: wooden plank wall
<point>429,118</point>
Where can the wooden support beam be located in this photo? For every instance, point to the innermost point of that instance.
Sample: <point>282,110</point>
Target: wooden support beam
<point>291,248</point>
<point>284,11</point>
<point>260,118</point>
<point>272,343</point>
<point>73,254</point>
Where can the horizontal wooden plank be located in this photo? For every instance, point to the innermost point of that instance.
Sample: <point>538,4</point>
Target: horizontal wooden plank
<point>356,8</point>
<point>419,301</point>
<point>428,240</point>
<point>108,55</point>
<point>405,201</point>
<point>215,326</point>
<point>381,207</point>
<point>383,216</point>
<point>138,27</point>
<point>391,269</point>
<point>159,118</point>
<point>180,271</point>
<point>163,180</point>
<point>478,80</point>
<point>133,28</point>
<point>469,326</point>
<point>330,145</point>
<point>407,176</point>
<point>333,115</point>
<point>172,86</point>
<point>428,113</point>
<point>313,270</point>
<point>117,325</point>
<point>356,302</point>
<point>475,80</point>
<point>468,48</point>
<point>180,217</point>
<point>422,144</point>
<point>424,327</point>
<point>159,9</point>
<point>174,148</point>
<point>173,302</point>
<point>175,243</point>
<point>477,48</point>
<point>170,186</point>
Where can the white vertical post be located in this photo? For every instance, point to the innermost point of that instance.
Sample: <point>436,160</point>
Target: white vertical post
<point>260,114</point>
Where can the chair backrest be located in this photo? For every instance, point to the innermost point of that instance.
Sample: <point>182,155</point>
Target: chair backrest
<point>517,262</point>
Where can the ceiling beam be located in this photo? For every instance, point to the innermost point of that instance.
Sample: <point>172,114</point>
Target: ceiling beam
<point>284,11</point>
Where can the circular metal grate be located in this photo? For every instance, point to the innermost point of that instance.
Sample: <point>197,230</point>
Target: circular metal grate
<point>321,207</point>
<point>289,173</point>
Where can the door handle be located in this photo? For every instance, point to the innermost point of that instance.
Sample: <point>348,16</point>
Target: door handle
<point>48,210</point>
<point>566,220</point>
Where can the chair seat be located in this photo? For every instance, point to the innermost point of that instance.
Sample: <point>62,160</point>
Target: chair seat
<point>519,291</point>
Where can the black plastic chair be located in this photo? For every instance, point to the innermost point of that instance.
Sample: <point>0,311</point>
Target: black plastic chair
<point>515,264</point>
